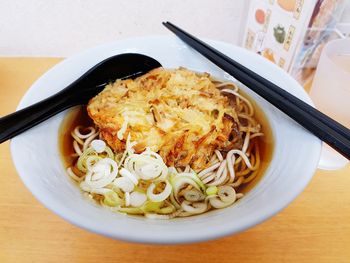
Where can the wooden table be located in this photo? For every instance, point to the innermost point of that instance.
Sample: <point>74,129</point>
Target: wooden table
<point>314,228</point>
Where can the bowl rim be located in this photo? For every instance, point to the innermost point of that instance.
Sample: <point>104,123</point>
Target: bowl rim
<point>205,235</point>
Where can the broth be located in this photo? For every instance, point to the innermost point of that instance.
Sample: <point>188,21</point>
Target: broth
<point>265,144</point>
<point>76,116</point>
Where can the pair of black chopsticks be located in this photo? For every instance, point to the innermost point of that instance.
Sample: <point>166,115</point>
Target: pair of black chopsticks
<point>325,128</point>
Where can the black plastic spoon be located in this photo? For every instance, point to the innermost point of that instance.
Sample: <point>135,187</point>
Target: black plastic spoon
<point>122,66</point>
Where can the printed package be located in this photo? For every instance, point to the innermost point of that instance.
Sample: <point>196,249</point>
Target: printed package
<point>291,33</point>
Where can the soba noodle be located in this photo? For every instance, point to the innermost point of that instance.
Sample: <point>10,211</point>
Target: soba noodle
<point>142,184</point>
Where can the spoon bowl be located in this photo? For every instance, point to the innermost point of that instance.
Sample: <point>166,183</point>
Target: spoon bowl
<point>128,65</point>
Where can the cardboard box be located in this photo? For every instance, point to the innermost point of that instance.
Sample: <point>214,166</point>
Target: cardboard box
<point>291,33</point>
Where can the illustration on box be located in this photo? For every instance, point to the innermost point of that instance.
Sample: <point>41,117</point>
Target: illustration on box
<point>273,27</point>
<point>291,33</point>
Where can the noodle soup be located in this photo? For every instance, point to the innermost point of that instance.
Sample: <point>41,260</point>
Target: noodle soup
<point>147,182</point>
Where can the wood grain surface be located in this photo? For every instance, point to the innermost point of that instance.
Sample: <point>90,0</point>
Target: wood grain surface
<point>314,228</point>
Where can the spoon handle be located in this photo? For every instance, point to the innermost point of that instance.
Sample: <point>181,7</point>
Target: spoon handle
<point>24,119</point>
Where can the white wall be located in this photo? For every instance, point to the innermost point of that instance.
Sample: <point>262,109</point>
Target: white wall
<point>64,27</point>
<point>61,28</point>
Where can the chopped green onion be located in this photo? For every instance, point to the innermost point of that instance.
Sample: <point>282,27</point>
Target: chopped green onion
<point>81,164</point>
<point>150,206</point>
<point>167,210</point>
<point>226,197</point>
<point>172,171</point>
<point>212,190</point>
<point>124,183</point>
<point>98,145</point>
<point>161,196</point>
<point>101,174</point>
<point>130,210</point>
<point>194,177</point>
<point>194,208</point>
<point>125,173</point>
<point>147,165</point>
<point>178,183</point>
<point>111,199</point>
<point>156,216</point>
<point>137,199</point>
<point>193,195</point>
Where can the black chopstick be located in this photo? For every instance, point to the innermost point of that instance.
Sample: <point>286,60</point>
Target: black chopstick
<point>328,130</point>
<point>312,111</point>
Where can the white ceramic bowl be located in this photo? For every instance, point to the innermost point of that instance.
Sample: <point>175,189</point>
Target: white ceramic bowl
<point>36,156</point>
